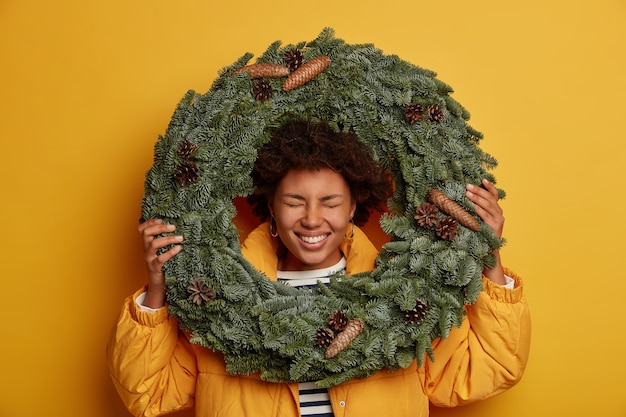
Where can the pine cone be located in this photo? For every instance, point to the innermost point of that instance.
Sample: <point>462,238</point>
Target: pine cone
<point>338,321</point>
<point>186,173</point>
<point>343,339</point>
<point>186,149</point>
<point>324,337</point>
<point>306,72</point>
<point>200,293</point>
<point>453,209</point>
<point>417,313</point>
<point>264,70</point>
<point>413,112</point>
<point>435,113</point>
<point>427,215</point>
<point>294,59</point>
<point>262,90</point>
<point>447,228</point>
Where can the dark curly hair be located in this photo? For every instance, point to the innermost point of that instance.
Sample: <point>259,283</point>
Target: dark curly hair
<point>314,145</point>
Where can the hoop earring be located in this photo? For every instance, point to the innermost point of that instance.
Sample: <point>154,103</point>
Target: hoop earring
<point>273,227</point>
<point>352,232</point>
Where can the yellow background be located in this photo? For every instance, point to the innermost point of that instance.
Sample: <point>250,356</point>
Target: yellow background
<point>87,86</point>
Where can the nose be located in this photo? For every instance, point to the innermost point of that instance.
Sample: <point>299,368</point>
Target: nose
<point>311,218</point>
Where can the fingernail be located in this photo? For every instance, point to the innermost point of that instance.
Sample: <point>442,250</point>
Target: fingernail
<point>470,186</point>
<point>170,227</point>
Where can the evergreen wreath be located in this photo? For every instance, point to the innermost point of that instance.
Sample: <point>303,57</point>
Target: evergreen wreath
<point>425,275</point>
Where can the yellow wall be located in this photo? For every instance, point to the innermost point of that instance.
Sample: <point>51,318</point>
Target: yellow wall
<point>86,87</point>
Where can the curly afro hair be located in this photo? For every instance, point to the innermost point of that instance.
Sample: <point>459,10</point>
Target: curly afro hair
<point>314,145</point>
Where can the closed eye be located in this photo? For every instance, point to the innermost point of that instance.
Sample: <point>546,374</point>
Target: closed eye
<point>332,201</point>
<point>293,200</point>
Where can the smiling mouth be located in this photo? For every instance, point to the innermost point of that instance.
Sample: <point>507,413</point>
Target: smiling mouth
<point>312,239</point>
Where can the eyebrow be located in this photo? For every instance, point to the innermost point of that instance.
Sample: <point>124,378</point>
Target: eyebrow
<point>325,198</point>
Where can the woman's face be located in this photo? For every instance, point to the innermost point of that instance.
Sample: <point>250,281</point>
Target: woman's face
<point>312,209</point>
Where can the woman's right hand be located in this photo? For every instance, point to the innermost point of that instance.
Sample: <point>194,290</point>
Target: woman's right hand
<point>149,230</point>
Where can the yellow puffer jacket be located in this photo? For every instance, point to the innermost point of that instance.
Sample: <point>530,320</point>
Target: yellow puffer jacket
<point>157,371</point>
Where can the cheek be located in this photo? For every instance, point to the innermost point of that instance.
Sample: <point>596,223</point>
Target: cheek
<point>285,219</point>
<point>342,220</point>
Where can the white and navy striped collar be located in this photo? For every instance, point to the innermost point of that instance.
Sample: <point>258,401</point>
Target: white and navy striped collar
<point>314,273</point>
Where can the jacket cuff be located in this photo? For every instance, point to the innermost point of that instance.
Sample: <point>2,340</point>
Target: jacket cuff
<point>499,293</point>
<point>146,318</point>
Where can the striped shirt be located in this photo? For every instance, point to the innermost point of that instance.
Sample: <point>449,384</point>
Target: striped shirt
<point>314,401</point>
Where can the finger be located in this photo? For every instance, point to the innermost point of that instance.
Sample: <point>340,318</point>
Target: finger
<point>158,229</point>
<point>155,245</point>
<point>480,197</point>
<point>489,192</point>
<point>151,222</point>
<point>485,200</point>
<point>485,207</point>
<point>156,260</point>
<point>161,259</point>
<point>486,204</point>
<point>486,197</point>
<point>150,232</point>
<point>490,187</point>
<point>154,227</point>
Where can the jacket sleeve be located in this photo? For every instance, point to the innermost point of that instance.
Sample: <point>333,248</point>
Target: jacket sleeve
<point>486,355</point>
<point>151,362</point>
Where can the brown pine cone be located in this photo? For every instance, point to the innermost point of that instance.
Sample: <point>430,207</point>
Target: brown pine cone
<point>262,90</point>
<point>306,72</point>
<point>264,70</point>
<point>447,228</point>
<point>416,314</point>
<point>427,215</point>
<point>294,59</point>
<point>200,293</point>
<point>186,149</point>
<point>435,113</point>
<point>453,209</point>
<point>324,337</point>
<point>186,173</point>
<point>338,321</point>
<point>343,339</point>
<point>413,113</point>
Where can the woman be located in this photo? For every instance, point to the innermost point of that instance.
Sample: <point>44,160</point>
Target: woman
<point>312,185</point>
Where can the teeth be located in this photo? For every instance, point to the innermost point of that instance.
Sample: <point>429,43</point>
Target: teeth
<point>312,239</point>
